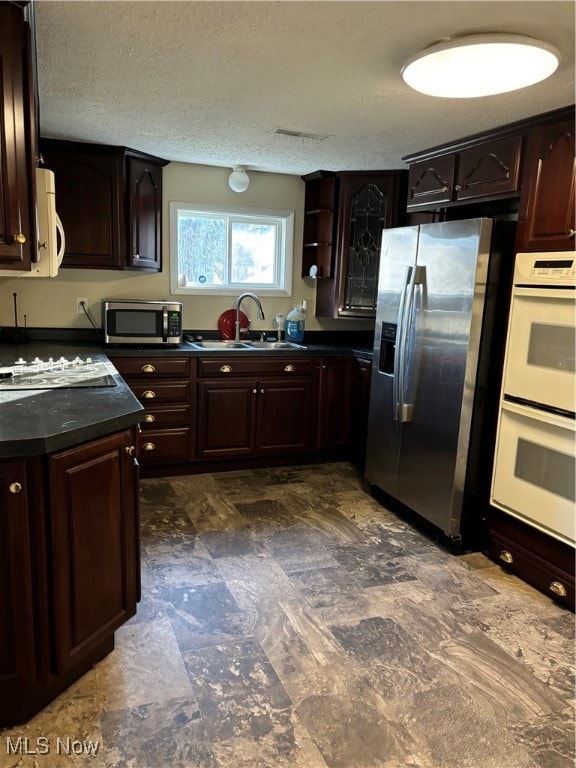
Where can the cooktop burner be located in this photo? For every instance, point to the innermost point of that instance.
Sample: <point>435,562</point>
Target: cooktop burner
<point>57,374</point>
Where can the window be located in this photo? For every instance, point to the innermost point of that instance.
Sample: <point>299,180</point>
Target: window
<point>217,251</point>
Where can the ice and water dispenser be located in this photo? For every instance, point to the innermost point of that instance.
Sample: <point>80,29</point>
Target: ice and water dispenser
<point>387,348</point>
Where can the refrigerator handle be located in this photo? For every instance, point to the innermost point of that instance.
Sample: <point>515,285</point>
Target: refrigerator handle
<point>399,341</point>
<point>404,410</point>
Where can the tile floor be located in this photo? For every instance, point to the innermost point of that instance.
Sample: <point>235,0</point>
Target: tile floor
<point>289,620</point>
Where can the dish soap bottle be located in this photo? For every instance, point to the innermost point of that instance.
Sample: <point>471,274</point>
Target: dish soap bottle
<point>294,329</point>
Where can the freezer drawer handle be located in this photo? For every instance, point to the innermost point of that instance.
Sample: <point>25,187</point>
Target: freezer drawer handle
<point>506,556</point>
<point>558,588</point>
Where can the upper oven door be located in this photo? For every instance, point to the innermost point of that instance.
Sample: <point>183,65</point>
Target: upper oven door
<point>540,357</point>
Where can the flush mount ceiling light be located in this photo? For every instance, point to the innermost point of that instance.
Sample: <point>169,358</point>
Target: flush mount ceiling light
<point>239,181</point>
<point>480,65</point>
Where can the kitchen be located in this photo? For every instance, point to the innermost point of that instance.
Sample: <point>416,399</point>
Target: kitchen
<point>51,304</point>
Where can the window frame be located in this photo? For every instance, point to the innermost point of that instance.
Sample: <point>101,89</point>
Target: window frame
<point>283,267</point>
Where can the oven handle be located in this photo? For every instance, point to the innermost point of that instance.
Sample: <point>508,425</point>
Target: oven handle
<point>562,292</point>
<point>564,422</point>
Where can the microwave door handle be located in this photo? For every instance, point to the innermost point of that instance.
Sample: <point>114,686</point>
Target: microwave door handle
<point>398,354</point>
<point>164,323</point>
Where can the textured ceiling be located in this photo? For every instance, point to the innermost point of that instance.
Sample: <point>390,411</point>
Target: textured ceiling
<point>208,82</point>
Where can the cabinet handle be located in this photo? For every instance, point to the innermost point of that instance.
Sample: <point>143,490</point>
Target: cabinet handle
<point>506,556</point>
<point>148,395</point>
<point>445,189</point>
<point>254,391</point>
<point>149,418</point>
<point>148,447</point>
<point>15,487</point>
<point>225,369</point>
<point>289,368</point>
<point>458,187</point>
<point>20,238</point>
<point>136,256</point>
<point>262,391</point>
<point>130,450</point>
<point>558,588</point>
<point>571,232</point>
<point>148,368</point>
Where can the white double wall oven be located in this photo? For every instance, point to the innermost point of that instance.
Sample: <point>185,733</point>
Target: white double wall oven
<point>534,468</point>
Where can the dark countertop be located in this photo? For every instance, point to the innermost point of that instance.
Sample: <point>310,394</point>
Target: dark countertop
<point>34,422</point>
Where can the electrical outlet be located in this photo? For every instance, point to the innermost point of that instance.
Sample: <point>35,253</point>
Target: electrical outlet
<point>79,301</point>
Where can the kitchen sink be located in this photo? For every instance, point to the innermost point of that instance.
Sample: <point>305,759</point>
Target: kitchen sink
<point>240,346</point>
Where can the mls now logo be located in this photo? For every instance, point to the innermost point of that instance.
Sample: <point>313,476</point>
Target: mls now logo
<point>43,746</point>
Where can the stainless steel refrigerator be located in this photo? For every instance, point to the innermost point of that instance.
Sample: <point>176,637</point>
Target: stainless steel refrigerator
<point>443,296</point>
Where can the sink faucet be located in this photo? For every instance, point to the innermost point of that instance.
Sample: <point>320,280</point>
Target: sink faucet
<point>237,308</point>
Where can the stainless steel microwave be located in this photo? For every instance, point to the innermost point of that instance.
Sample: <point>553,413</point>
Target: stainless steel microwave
<point>141,322</point>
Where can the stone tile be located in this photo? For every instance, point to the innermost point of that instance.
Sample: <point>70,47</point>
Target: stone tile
<point>370,566</point>
<point>549,739</point>
<point>162,733</point>
<point>238,692</point>
<point>145,667</point>
<point>299,548</point>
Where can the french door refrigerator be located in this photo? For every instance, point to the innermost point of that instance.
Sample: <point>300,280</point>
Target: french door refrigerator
<point>443,297</point>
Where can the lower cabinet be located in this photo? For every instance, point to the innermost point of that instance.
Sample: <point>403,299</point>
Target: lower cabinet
<point>541,560</point>
<point>255,407</point>
<point>69,566</point>
<point>164,386</point>
<point>359,408</point>
<point>334,402</point>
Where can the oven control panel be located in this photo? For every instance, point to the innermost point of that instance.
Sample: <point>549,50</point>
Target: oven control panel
<point>551,269</point>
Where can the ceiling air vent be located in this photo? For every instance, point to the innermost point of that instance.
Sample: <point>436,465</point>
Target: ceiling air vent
<point>302,135</point>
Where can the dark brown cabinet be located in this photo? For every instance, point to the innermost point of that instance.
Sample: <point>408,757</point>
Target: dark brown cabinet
<point>334,402</point>
<point>359,408</point>
<point>110,202</point>
<point>255,407</point>
<point>486,170</point>
<point>93,530</point>
<point>17,654</point>
<point>320,208</point>
<point>365,203</point>
<point>69,566</point>
<point>164,386</point>
<point>546,220</point>
<point>18,237</point>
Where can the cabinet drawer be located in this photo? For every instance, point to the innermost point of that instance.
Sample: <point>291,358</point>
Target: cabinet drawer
<point>272,366</point>
<point>545,576</point>
<point>156,445</point>
<point>178,367</point>
<point>166,416</point>
<point>161,391</point>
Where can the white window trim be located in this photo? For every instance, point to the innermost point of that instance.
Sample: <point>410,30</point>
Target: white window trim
<point>287,247</point>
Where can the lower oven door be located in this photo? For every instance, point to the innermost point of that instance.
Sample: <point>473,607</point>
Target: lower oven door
<point>534,469</point>
<point>541,347</point>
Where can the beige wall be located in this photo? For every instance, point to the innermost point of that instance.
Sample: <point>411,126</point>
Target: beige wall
<point>51,302</point>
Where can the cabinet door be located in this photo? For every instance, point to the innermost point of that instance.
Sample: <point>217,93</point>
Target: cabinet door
<point>145,206</point>
<point>226,417</point>
<point>17,185</point>
<point>546,221</point>
<point>284,415</point>
<point>489,170</point>
<point>93,520</point>
<point>89,202</point>
<point>17,652</point>
<point>334,409</point>
<point>431,182</point>
<point>359,407</point>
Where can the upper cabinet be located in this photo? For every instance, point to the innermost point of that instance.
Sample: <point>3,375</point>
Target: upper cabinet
<point>525,170</point>
<point>110,203</point>
<point>18,238</point>
<point>546,221</point>
<point>345,214</point>
<point>488,170</point>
